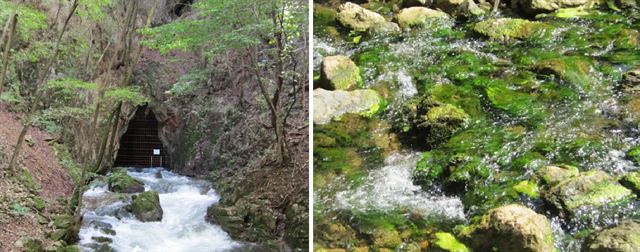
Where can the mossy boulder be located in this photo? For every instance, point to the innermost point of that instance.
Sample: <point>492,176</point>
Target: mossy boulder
<point>357,18</point>
<point>543,6</point>
<point>592,189</point>
<point>554,174</point>
<point>332,104</point>
<point>631,180</point>
<point>419,16</point>
<point>386,28</point>
<point>509,29</point>
<point>146,206</point>
<point>510,228</point>
<point>624,237</point>
<point>62,221</point>
<point>334,234</point>
<point>30,244</point>
<point>386,238</point>
<point>340,73</point>
<point>428,122</point>
<point>573,69</point>
<point>119,181</point>
<point>228,217</point>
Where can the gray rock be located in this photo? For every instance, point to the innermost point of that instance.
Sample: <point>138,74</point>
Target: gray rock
<point>332,104</point>
<point>340,73</point>
<point>355,17</point>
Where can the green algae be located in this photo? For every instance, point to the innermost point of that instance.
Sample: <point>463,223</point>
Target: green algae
<point>508,29</point>
<point>448,242</point>
<point>528,188</point>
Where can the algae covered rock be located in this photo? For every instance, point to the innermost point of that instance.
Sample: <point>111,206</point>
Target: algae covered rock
<point>119,181</point>
<point>332,104</point>
<point>631,180</point>
<point>624,237</point>
<point>340,73</point>
<point>383,238</point>
<point>419,16</point>
<point>355,17</point>
<point>552,174</point>
<point>592,189</point>
<point>511,228</point>
<point>146,206</point>
<point>542,6</point>
<point>573,69</point>
<point>429,122</point>
<point>508,29</point>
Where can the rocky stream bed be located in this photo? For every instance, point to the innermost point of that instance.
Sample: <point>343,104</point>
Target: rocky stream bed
<point>448,125</point>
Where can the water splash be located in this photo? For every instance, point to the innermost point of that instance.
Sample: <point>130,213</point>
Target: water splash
<point>391,187</point>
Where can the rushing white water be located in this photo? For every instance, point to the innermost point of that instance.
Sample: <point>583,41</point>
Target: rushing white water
<point>184,203</point>
<point>391,187</point>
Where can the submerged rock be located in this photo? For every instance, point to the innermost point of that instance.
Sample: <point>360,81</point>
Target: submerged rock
<point>340,73</point>
<point>355,17</point>
<point>384,238</point>
<point>507,29</point>
<point>146,206</point>
<point>511,228</point>
<point>119,181</point>
<point>429,122</point>
<point>332,104</point>
<point>592,189</point>
<point>624,237</point>
<point>573,69</point>
<point>418,16</point>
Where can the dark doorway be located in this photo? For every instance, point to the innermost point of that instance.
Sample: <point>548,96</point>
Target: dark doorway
<point>140,146</point>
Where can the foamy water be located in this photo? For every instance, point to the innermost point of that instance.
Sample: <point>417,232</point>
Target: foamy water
<point>391,187</point>
<point>184,203</point>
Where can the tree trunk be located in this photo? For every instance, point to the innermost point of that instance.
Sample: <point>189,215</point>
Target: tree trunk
<point>41,81</point>
<point>5,57</point>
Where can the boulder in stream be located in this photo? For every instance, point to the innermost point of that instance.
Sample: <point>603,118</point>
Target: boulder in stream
<point>511,228</point>
<point>146,206</point>
<point>631,81</point>
<point>429,122</point>
<point>332,104</point>
<point>624,237</point>
<point>631,180</point>
<point>591,189</point>
<point>119,181</point>
<point>419,16</point>
<point>355,17</point>
<point>542,6</point>
<point>553,174</point>
<point>340,73</point>
<point>508,29</point>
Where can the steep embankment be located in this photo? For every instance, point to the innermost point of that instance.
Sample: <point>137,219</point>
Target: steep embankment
<point>26,204</point>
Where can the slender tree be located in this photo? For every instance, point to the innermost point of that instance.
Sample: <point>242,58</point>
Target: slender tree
<point>38,91</point>
<point>10,31</point>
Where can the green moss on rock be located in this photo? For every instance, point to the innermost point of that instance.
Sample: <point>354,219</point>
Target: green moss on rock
<point>448,242</point>
<point>528,188</point>
<point>146,206</point>
<point>119,181</point>
<point>508,29</point>
<point>631,180</point>
<point>340,73</point>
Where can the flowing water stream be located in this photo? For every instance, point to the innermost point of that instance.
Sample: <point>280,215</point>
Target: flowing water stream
<point>183,227</point>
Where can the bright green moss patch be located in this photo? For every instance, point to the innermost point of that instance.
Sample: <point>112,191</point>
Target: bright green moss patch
<point>632,181</point>
<point>516,104</point>
<point>448,242</point>
<point>634,154</point>
<point>528,188</point>
<point>573,69</point>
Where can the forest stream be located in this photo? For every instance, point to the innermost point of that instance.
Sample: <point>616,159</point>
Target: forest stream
<point>182,226</point>
<point>492,132</point>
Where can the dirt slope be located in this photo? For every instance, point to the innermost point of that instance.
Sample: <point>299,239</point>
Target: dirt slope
<point>51,183</point>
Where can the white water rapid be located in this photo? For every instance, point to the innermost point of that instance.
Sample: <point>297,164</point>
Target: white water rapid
<point>183,227</point>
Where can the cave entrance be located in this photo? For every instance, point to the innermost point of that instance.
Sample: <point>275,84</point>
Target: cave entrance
<point>140,146</point>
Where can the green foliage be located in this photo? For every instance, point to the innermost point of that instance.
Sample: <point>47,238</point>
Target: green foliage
<point>93,9</point>
<point>67,160</point>
<point>190,82</point>
<point>29,20</point>
<point>131,94</point>
<point>225,25</point>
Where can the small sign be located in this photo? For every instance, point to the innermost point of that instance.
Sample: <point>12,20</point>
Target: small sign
<point>156,152</point>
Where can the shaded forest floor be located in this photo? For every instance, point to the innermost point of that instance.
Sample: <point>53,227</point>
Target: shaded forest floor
<point>27,201</point>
